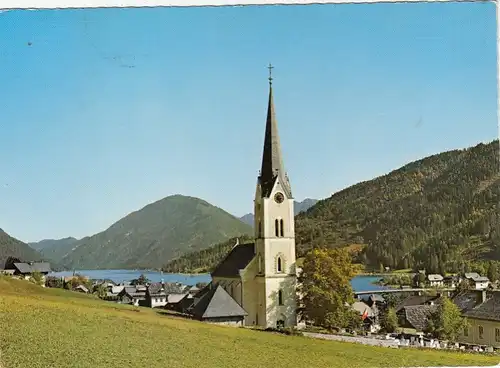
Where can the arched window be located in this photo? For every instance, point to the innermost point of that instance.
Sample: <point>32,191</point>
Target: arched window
<point>481,332</point>
<point>280,297</point>
<point>260,229</point>
<point>282,228</point>
<point>279,266</point>
<point>276,227</point>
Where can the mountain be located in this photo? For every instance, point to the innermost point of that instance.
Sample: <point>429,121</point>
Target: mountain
<point>160,231</point>
<point>11,247</point>
<point>298,208</point>
<point>54,248</point>
<point>303,206</point>
<point>437,213</point>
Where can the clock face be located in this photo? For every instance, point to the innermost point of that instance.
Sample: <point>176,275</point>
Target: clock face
<point>279,197</point>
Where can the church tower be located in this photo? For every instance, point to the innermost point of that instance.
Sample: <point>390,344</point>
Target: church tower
<point>274,233</point>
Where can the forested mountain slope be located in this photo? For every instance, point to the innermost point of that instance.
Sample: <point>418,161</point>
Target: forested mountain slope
<point>434,213</point>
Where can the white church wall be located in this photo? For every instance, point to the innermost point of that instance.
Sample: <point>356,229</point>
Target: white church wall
<point>286,311</point>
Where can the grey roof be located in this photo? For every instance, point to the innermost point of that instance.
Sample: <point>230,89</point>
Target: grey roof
<point>237,259</point>
<point>83,288</point>
<point>173,288</point>
<point>216,302</point>
<point>42,267</point>
<point>272,160</point>
<point>156,289</point>
<point>175,298</point>
<point>467,300</point>
<point>489,310</point>
<point>133,292</point>
<point>418,315</point>
<point>416,300</point>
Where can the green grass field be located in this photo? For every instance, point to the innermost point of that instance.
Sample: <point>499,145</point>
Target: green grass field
<point>54,328</point>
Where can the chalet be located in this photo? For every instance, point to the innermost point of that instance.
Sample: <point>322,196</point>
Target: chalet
<point>414,311</point>
<point>416,316</point>
<point>368,314</point>
<point>477,281</point>
<point>27,269</point>
<point>135,295</point>
<point>156,295</point>
<point>174,300</point>
<point>435,280</point>
<point>214,305</point>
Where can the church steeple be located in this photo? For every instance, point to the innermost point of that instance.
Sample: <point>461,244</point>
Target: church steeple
<point>272,160</point>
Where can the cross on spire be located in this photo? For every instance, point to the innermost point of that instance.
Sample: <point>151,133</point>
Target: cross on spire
<point>270,67</point>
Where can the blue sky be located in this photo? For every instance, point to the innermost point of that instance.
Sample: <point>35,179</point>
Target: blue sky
<point>106,110</point>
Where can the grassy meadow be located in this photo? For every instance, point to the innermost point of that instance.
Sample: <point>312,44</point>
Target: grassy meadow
<point>54,328</point>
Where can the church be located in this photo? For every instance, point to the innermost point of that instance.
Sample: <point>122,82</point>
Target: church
<point>260,277</point>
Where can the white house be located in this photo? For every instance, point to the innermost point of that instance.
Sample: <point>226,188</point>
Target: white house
<point>435,280</point>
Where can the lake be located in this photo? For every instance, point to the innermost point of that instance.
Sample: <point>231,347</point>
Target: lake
<point>359,283</point>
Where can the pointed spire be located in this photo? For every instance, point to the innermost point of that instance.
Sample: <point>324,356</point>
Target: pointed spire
<point>272,160</point>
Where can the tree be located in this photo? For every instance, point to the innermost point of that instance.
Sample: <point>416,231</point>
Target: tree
<point>463,286</point>
<point>100,291</point>
<point>493,271</point>
<point>447,321</point>
<point>421,279</point>
<point>389,320</point>
<point>326,288</point>
<point>37,278</point>
<point>54,282</point>
<point>141,280</point>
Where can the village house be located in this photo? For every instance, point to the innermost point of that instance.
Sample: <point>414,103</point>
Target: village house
<point>156,296</point>
<point>435,280</point>
<point>482,310</point>
<point>369,315</point>
<point>135,295</point>
<point>414,311</point>
<point>26,270</point>
<point>214,305</point>
<point>477,281</point>
<point>452,281</point>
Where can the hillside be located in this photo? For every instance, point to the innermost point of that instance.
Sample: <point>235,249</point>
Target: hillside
<point>160,231</point>
<point>11,247</point>
<point>435,213</point>
<point>113,336</point>
<point>54,248</point>
<point>203,261</point>
<point>298,208</point>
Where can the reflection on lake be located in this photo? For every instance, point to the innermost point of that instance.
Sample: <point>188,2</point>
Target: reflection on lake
<point>359,283</point>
